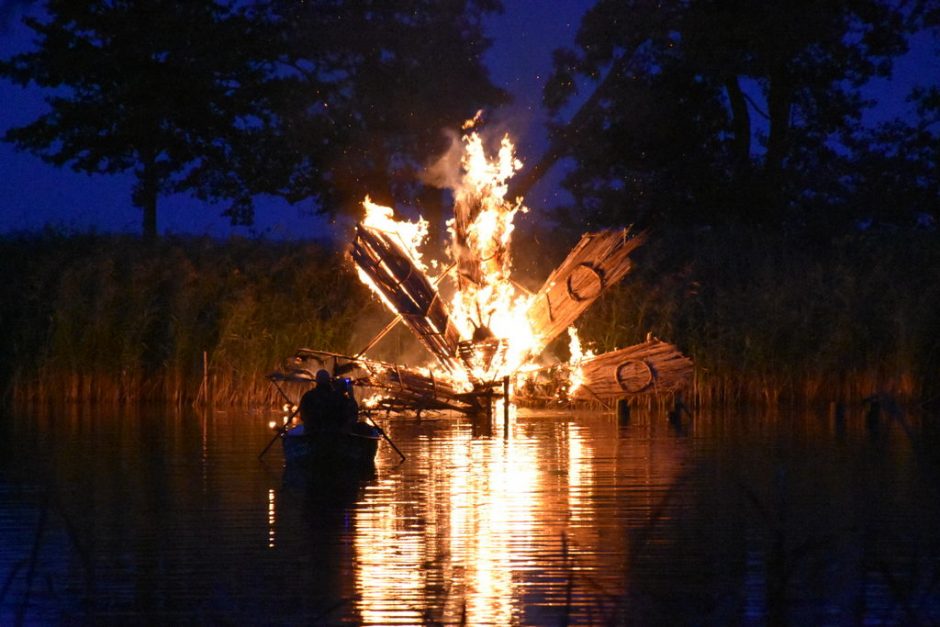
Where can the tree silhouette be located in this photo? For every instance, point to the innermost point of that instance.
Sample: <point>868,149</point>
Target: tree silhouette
<point>360,92</point>
<point>316,101</point>
<point>722,111</point>
<point>153,87</point>
<point>894,173</point>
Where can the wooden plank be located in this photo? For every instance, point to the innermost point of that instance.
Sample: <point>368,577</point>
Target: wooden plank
<point>597,262</point>
<point>403,388</point>
<point>408,292</point>
<point>648,368</point>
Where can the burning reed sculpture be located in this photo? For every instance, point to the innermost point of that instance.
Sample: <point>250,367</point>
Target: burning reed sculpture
<point>492,331</point>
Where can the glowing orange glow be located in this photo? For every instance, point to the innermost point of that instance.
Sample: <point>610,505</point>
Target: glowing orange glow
<point>476,119</point>
<point>371,401</point>
<point>411,235</point>
<point>272,518</point>
<point>459,536</point>
<point>386,556</point>
<point>488,310</point>
<point>494,303</point>
<point>578,355</point>
<point>485,502</point>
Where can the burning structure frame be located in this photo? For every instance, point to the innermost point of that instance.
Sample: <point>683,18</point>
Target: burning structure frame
<point>492,333</point>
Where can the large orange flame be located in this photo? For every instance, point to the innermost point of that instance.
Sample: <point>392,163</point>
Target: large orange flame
<point>487,305</point>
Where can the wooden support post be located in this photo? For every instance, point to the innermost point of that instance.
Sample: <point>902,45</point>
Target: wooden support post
<point>506,407</point>
<point>623,412</point>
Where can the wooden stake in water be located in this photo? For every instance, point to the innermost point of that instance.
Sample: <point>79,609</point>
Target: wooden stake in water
<point>506,407</point>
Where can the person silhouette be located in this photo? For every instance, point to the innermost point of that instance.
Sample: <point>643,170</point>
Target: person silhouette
<point>349,409</point>
<point>321,406</point>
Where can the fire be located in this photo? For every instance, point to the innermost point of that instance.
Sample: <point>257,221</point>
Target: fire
<point>372,401</point>
<point>484,329</point>
<point>488,310</point>
<point>487,304</point>
<point>411,234</point>
<point>578,355</point>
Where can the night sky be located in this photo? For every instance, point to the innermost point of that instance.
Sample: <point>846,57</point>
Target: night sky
<point>34,194</point>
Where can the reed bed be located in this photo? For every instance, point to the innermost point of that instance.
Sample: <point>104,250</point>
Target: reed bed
<point>112,319</point>
<point>767,318</point>
<point>773,319</point>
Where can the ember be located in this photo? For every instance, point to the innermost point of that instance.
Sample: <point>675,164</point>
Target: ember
<point>492,329</point>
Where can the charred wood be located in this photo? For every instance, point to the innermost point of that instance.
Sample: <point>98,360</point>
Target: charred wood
<point>408,291</point>
<point>398,388</point>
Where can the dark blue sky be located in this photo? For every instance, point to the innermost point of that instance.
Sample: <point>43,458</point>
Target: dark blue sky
<point>33,194</point>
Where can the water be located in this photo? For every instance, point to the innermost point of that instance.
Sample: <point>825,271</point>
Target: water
<point>732,518</point>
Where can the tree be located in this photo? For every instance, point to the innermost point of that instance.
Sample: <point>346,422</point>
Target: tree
<point>360,91</point>
<point>894,171</point>
<point>154,87</point>
<point>688,87</point>
<point>320,101</point>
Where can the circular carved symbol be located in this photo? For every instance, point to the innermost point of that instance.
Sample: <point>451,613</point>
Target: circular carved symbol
<point>634,376</point>
<point>585,282</point>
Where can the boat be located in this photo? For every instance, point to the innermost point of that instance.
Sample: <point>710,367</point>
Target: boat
<point>332,449</point>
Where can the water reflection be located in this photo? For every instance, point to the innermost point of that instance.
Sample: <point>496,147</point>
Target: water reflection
<point>738,518</point>
<point>501,531</point>
<point>272,517</point>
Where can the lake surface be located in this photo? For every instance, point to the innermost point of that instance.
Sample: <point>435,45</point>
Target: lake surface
<point>111,517</point>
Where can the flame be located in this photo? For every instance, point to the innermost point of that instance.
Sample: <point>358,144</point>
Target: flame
<point>474,121</point>
<point>494,303</point>
<point>411,235</point>
<point>372,401</point>
<point>488,310</point>
<point>578,355</point>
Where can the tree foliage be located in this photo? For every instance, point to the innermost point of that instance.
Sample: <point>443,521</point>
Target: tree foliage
<point>317,101</point>
<point>713,111</point>
<point>154,87</point>
<point>359,93</point>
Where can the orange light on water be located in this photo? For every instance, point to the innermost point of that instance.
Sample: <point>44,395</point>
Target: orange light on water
<point>483,501</point>
<point>272,518</point>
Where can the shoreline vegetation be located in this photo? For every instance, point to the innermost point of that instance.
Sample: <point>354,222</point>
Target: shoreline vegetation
<point>768,319</point>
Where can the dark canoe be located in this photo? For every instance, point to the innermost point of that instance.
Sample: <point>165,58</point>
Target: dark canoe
<point>356,447</point>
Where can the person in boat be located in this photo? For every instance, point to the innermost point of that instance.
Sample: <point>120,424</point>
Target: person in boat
<point>321,406</point>
<point>349,411</point>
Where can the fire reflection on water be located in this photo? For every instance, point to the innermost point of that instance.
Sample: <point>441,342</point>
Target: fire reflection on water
<point>578,471</point>
<point>571,520</point>
<point>491,518</point>
<point>272,517</point>
<point>471,551</point>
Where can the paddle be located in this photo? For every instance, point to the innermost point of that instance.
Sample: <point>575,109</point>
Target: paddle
<point>384,435</point>
<point>280,432</point>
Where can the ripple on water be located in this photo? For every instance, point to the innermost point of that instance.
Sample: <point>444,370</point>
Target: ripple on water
<point>130,518</point>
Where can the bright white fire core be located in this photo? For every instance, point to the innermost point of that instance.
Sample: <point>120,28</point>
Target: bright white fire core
<point>487,304</point>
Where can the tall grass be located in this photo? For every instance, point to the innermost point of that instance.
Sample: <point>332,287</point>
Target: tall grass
<point>111,318</point>
<point>777,319</point>
<point>765,317</point>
